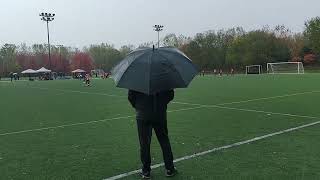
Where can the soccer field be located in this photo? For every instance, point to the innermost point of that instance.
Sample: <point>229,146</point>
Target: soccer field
<point>241,127</point>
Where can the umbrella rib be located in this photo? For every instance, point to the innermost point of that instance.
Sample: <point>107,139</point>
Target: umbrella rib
<point>127,67</point>
<point>184,56</point>
<point>179,53</point>
<point>173,67</point>
<point>149,71</point>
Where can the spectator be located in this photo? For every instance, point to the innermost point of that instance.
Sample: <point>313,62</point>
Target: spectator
<point>152,114</point>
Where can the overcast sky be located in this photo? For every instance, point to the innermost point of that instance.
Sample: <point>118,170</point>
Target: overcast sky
<point>82,22</point>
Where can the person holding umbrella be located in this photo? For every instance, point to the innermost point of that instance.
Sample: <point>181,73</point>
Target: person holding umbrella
<point>151,75</point>
<point>152,114</point>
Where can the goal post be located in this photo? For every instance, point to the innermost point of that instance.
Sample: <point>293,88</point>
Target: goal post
<point>254,69</point>
<point>285,68</point>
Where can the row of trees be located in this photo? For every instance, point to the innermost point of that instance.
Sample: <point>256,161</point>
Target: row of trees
<point>224,49</point>
<point>237,48</point>
<point>63,59</point>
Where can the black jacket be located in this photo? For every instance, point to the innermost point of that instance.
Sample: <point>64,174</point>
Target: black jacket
<point>150,106</point>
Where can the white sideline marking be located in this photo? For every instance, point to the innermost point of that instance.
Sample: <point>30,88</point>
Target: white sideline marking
<point>267,112</point>
<point>248,110</point>
<point>272,97</point>
<point>83,123</point>
<point>185,109</point>
<point>218,149</point>
<point>13,81</point>
<point>228,103</point>
<point>63,126</point>
<point>81,92</point>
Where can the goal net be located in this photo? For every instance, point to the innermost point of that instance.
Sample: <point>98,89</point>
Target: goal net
<point>285,68</point>
<point>254,69</point>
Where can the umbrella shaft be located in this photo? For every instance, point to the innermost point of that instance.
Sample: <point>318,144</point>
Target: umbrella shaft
<point>158,39</point>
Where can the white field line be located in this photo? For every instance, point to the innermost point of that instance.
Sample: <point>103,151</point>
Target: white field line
<point>247,110</point>
<point>81,92</point>
<point>271,97</point>
<point>228,103</point>
<point>265,112</point>
<point>13,81</point>
<point>84,123</point>
<point>63,126</point>
<point>259,138</point>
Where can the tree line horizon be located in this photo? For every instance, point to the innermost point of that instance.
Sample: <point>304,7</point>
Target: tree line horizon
<point>221,49</point>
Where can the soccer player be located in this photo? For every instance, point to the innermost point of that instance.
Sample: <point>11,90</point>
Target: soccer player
<point>87,80</point>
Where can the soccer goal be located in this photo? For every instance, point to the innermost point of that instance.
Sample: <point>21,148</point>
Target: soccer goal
<point>285,68</point>
<point>254,69</point>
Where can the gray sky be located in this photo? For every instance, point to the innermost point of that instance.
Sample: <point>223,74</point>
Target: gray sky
<point>82,22</point>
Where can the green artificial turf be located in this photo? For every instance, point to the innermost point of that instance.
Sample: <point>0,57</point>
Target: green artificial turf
<point>64,130</point>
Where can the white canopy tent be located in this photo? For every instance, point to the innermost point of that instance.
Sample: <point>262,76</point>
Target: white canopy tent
<point>43,70</point>
<point>29,71</point>
<point>78,71</point>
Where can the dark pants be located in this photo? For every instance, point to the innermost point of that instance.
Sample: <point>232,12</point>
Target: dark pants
<point>145,127</point>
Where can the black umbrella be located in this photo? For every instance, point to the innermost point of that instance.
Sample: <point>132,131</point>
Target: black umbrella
<point>152,70</point>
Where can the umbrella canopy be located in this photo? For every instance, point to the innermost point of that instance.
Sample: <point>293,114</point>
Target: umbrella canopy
<point>29,71</point>
<point>78,71</point>
<point>43,70</point>
<point>152,70</point>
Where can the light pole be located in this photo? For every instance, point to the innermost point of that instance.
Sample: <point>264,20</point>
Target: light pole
<point>48,17</point>
<point>60,46</point>
<point>158,28</point>
<point>3,67</point>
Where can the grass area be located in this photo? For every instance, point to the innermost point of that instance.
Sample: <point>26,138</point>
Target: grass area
<point>79,132</point>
